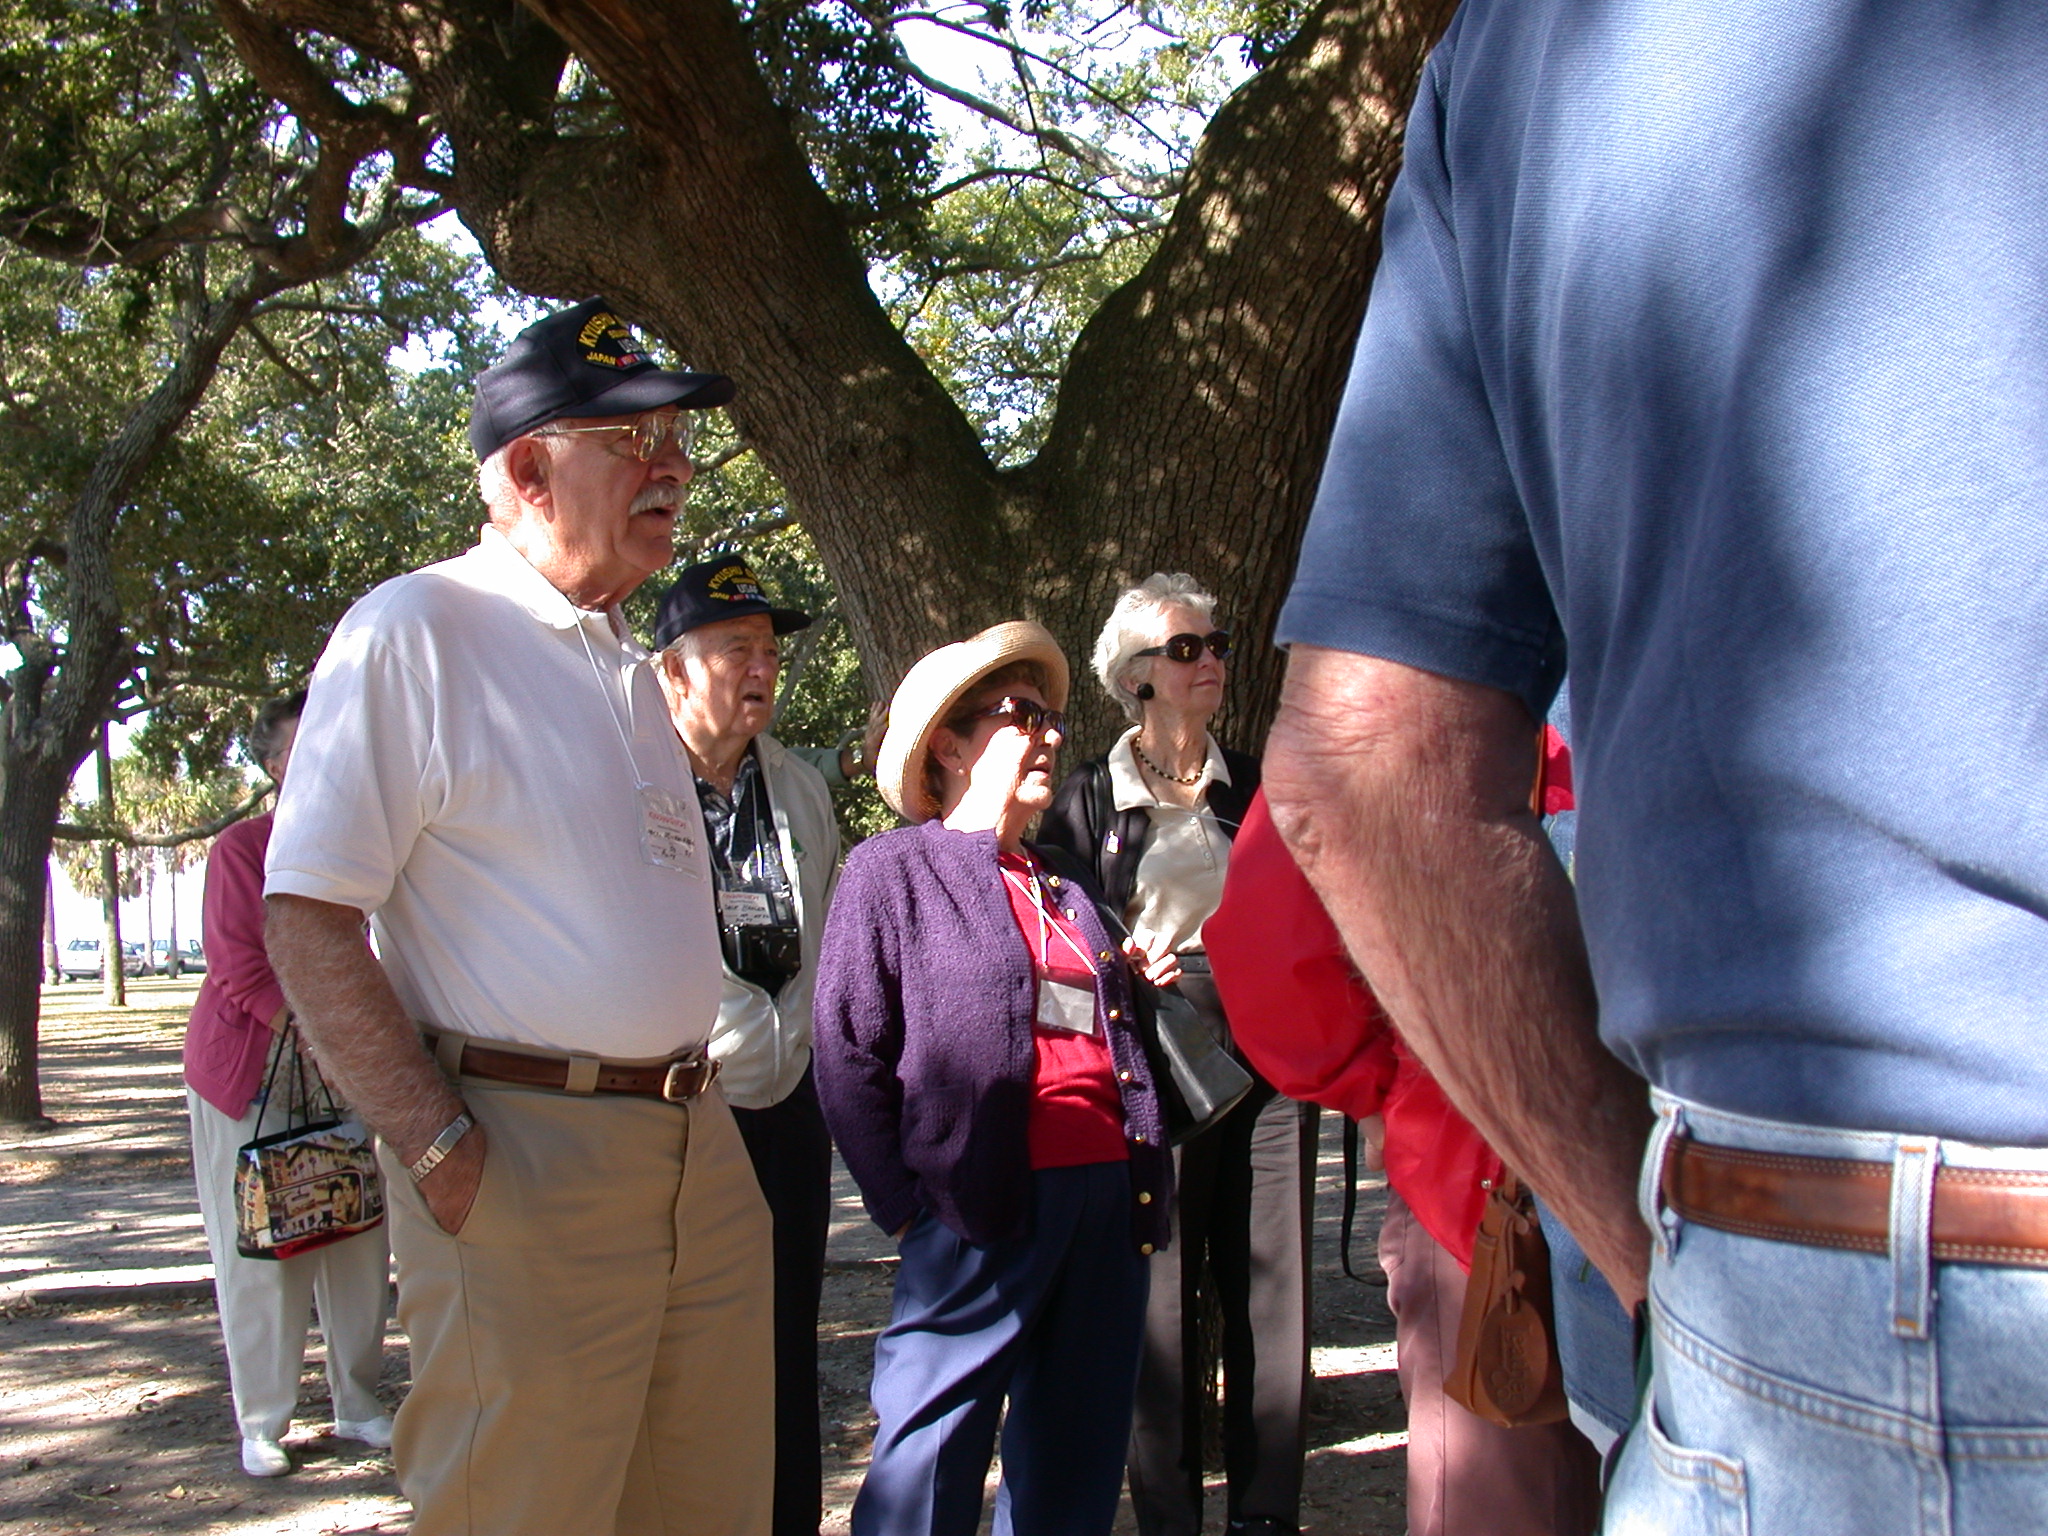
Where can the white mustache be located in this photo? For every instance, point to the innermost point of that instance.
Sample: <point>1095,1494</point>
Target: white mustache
<point>668,498</point>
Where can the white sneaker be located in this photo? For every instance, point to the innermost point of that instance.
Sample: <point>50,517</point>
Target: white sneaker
<point>375,1433</point>
<point>264,1458</point>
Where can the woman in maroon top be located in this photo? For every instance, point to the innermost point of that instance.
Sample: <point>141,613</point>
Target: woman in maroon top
<point>237,1027</point>
<point>980,1073</point>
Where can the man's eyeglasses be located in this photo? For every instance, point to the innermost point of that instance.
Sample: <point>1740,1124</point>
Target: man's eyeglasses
<point>1028,715</point>
<point>1188,647</point>
<point>651,433</point>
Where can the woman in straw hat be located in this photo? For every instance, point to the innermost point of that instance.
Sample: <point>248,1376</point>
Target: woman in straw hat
<point>982,1078</point>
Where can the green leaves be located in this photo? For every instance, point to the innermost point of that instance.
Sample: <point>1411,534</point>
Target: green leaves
<point>862,124</point>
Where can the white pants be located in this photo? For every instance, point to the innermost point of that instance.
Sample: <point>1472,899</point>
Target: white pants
<point>265,1304</point>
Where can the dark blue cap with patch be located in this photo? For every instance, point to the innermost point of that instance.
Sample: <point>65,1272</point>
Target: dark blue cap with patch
<point>580,362</point>
<point>725,588</point>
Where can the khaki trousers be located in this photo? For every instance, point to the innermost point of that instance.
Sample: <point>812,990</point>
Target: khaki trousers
<point>593,1354</point>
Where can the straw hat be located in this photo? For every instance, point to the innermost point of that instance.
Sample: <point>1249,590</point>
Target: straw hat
<point>930,691</point>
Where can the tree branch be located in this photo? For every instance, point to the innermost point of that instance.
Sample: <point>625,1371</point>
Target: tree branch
<point>72,832</point>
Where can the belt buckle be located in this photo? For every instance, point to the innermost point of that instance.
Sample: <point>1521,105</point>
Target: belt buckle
<point>677,1092</point>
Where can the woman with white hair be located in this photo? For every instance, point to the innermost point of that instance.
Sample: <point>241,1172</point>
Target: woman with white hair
<point>1154,818</point>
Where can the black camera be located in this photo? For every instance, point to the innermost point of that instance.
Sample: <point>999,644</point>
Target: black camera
<point>766,955</point>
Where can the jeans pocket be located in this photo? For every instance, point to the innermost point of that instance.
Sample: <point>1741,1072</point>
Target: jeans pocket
<point>1660,1488</point>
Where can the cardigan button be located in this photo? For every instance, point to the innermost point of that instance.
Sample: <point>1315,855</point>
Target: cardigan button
<point>1146,1249</point>
<point>1126,1075</point>
<point>1105,955</point>
<point>1053,881</point>
<point>1116,1013</point>
<point>1144,1197</point>
<point>1139,1138</point>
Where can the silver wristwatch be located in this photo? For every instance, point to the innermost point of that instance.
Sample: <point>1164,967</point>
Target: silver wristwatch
<point>442,1145</point>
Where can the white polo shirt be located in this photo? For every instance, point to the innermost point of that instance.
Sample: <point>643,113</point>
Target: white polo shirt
<point>473,771</point>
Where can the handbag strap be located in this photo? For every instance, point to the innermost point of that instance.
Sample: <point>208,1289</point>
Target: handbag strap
<point>1350,1197</point>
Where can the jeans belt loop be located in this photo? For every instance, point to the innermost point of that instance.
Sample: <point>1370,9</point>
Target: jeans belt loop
<point>582,1074</point>
<point>1663,1222</point>
<point>448,1052</point>
<point>1914,1162</point>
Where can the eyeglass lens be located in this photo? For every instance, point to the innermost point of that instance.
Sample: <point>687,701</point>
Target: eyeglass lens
<point>652,432</point>
<point>1028,715</point>
<point>1188,647</point>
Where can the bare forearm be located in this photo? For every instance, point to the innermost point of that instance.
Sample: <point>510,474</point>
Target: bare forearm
<point>345,1007</point>
<point>1404,797</point>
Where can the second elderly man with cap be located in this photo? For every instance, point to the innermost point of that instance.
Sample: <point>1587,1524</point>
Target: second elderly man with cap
<point>774,858</point>
<point>485,769</point>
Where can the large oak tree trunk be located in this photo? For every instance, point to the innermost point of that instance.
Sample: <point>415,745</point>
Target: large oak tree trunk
<point>1195,409</point>
<point>28,810</point>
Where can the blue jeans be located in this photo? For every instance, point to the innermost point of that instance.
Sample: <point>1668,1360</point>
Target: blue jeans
<point>1802,1391</point>
<point>1595,1339</point>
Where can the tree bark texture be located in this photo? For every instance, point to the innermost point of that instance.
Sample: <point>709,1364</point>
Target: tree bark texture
<point>1195,408</point>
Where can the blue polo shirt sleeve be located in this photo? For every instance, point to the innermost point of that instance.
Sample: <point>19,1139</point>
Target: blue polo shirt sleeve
<point>1418,549</point>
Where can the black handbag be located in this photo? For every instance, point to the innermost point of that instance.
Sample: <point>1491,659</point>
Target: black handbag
<point>1198,1080</point>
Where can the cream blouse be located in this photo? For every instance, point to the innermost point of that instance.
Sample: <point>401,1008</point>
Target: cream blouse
<point>1180,875</point>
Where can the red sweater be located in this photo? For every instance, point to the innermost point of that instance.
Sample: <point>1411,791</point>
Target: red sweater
<point>229,1033</point>
<point>1077,1113</point>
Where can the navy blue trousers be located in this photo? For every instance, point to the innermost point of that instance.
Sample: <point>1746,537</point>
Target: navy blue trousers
<point>1053,1320</point>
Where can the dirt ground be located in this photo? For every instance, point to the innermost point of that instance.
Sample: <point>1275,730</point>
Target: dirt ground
<point>114,1412</point>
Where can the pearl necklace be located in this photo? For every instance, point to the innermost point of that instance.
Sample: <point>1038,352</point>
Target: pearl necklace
<point>1171,778</point>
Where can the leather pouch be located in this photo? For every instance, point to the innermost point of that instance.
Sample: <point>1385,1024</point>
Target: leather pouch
<point>1507,1369</point>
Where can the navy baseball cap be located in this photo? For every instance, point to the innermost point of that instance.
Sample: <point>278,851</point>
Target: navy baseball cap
<point>725,588</point>
<point>579,362</point>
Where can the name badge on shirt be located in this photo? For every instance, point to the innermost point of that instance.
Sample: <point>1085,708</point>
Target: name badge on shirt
<point>744,909</point>
<point>1061,1006</point>
<point>669,829</point>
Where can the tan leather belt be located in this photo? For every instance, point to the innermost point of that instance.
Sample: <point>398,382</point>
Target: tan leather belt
<point>1981,1215</point>
<point>676,1081</point>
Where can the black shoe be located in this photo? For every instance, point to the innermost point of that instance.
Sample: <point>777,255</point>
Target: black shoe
<point>1259,1525</point>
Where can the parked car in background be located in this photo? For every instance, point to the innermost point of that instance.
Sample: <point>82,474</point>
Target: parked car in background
<point>190,957</point>
<point>80,960</point>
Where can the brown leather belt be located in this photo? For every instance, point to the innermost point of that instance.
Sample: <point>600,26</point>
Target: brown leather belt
<point>676,1081</point>
<point>1981,1215</point>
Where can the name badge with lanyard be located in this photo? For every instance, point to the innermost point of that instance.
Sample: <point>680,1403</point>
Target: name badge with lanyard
<point>669,824</point>
<point>1061,1004</point>
<point>756,912</point>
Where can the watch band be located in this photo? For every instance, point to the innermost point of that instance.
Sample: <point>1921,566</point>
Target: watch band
<point>442,1145</point>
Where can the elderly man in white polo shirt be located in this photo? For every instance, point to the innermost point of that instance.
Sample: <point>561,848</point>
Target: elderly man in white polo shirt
<point>486,769</point>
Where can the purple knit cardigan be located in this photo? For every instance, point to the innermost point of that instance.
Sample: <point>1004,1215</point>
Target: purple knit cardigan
<point>922,1026</point>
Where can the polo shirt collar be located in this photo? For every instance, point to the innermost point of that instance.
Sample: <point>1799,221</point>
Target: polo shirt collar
<point>509,574</point>
<point>1129,788</point>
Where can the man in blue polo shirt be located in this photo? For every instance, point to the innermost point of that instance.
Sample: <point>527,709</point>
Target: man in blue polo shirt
<point>1709,351</point>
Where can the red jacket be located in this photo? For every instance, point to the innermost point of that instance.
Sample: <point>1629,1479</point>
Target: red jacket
<point>229,1034</point>
<point>1304,1018</point>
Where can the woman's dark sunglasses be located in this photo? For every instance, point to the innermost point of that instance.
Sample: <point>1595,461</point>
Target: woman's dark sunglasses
<point>1188,647</point>
<point>1028,715</point>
